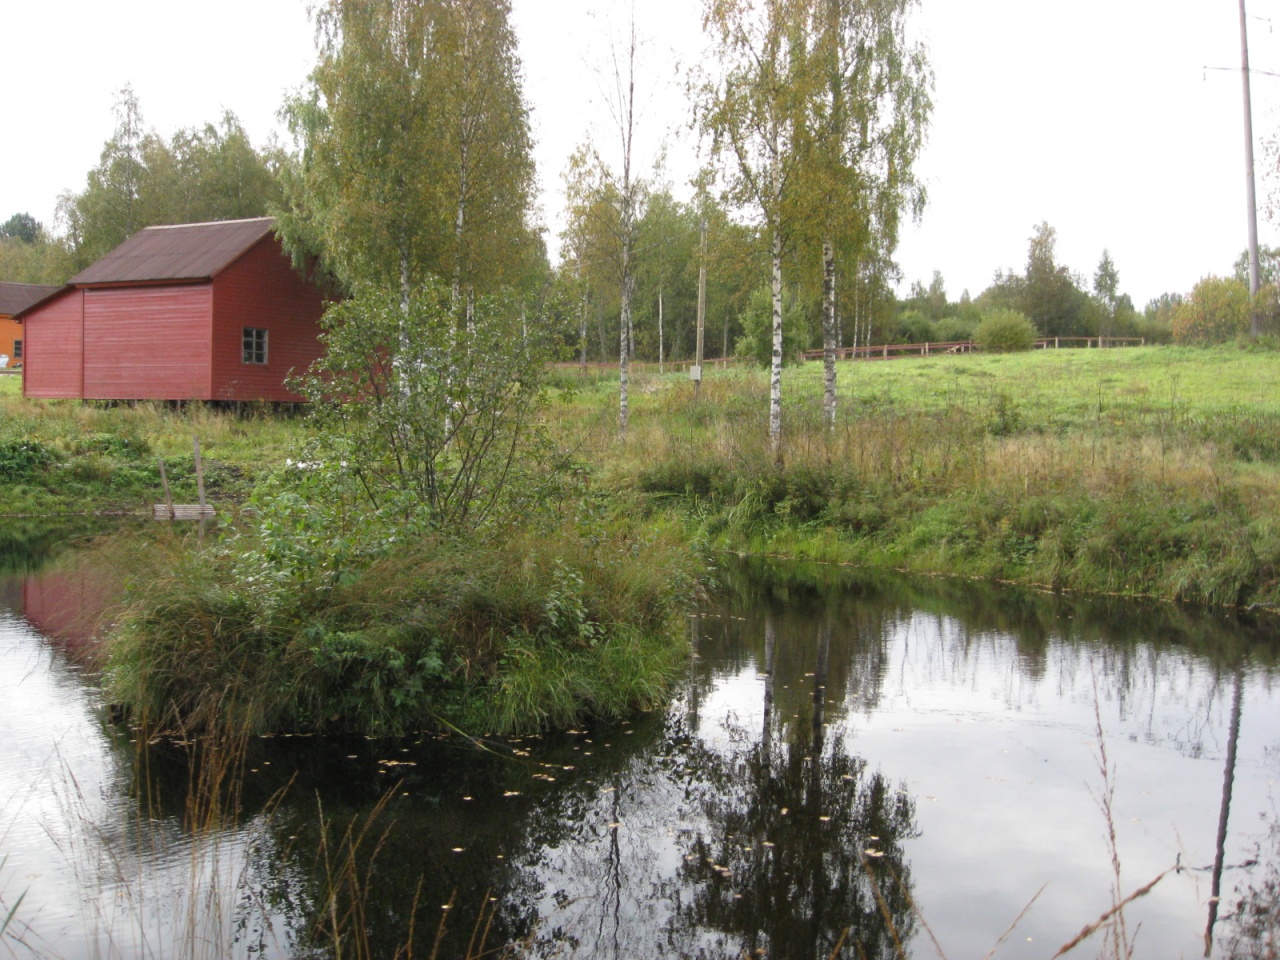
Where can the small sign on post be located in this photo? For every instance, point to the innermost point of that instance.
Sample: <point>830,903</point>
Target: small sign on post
<point>695,372</point>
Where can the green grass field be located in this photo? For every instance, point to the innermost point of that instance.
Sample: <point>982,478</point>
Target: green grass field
<point>1149,470</point>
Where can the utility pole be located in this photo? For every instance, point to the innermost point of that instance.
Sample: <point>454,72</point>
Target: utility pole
<point>1250,196</point>
<point>702,308</point>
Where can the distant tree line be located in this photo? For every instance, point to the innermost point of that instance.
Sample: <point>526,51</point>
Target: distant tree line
<point>412,159</point>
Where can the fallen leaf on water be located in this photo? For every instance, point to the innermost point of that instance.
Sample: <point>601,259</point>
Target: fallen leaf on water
<point>512,793</point>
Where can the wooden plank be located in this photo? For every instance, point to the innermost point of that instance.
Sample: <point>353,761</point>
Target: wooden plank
<point>181,511</point>
<point>168,497</point>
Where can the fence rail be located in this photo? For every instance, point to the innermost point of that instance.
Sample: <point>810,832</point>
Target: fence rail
<point>891,351</point>
<point>668,366</point>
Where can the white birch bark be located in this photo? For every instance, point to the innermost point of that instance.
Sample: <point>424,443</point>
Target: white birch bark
<point>829,334</point>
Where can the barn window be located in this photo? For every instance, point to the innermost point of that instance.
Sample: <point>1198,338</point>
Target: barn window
<point>17,349</point>
<point>254,345</point>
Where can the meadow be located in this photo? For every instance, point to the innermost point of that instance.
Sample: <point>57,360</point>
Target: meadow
<point>1145,471</point>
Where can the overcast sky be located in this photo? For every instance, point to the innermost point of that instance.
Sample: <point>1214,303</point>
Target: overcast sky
<point>1103,117</point>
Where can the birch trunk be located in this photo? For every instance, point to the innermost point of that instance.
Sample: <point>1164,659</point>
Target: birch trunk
<point>829,334</point>
<point>775,370</point>
<point>624,334</point>
<point>660,354</point>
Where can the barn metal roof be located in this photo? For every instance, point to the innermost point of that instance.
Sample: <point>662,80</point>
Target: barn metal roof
<point>16,297</point>
<point>187,251</point>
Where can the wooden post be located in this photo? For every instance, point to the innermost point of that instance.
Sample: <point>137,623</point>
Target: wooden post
<point>199,474</point>
<point>164,480</point>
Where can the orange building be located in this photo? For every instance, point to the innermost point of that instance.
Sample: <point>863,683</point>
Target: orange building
<point>14,298</point>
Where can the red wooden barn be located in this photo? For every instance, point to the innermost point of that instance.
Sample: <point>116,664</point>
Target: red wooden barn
<point>198,311</point>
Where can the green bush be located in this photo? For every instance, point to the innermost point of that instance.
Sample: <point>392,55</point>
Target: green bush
<point>295,627</point>
<point>1216,311</point>
<point>916,327</point>
<point>1005,331</point>
<point>23,459</point>
<point>756,339</point>
<point>950,329</point>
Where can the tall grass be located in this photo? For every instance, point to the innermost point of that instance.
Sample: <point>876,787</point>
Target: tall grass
<point>1061,468</point>
<point>102,457</point>
<point>521,633</point>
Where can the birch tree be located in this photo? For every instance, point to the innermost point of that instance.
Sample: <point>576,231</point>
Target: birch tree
<point>752,114</point>
<point>414,147</point>
<point>865,122</point>
<point>485,142</point>
<point>364,196</point>
<point>623,107</point>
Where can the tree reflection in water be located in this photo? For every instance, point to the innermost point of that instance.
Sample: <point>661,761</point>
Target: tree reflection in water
<point>802,844</point>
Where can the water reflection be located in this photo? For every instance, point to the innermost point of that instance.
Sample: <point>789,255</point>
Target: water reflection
<point>848,745</point>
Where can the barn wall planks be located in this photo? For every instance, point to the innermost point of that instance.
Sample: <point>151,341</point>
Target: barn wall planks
<point>261,290</point>
<point>53,350</point>
<point>147,343</point>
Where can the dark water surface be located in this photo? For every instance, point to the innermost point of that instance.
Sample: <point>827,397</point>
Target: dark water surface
<point>850,753</point>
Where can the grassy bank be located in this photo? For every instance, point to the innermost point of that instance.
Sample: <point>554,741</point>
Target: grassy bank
<point>64,457</point>
<point>502,635</point>
<point>1152,472</point>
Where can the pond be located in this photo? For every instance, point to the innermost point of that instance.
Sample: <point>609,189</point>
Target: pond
<point>858,764</point>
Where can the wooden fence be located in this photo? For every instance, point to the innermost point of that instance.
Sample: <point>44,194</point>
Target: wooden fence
<point>892,351</point>
<point>888,351</point>
<point>669,366</point>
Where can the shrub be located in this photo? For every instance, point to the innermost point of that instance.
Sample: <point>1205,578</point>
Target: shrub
<point>916,327</point>
<point>290,628</point>
<point>22,459</point>
<point>950,329</point>
<point>756,340</point>
<point>1005,331</point>
<point>1216,311</point>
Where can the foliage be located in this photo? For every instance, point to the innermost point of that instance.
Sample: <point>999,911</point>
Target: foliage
<point>1046,292</point>
<point>23,227</point>
<point>1005,331</point>
<point>916,327</point>
<point>45,261</point>
<point>419,634</point>
<point>756,340</point>
<point>955,328</point>
<point>429,419</point>
<point>22,459</point>
<point>1216,311</point>
<point>415,152</point>
<point>199,174</point>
